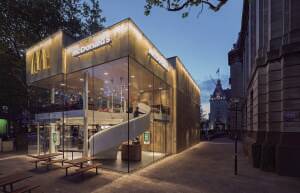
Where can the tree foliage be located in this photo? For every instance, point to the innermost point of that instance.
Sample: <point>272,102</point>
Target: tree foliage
<point>25,22</point>
<point>178,5</point>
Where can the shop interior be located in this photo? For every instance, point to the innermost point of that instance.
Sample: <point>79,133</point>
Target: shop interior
<point>112,93</point>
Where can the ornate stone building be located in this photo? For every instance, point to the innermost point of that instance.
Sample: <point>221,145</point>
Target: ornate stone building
<point>218,116</point>
<point>265,75</point>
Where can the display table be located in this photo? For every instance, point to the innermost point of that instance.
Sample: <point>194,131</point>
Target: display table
<point>135,152</point>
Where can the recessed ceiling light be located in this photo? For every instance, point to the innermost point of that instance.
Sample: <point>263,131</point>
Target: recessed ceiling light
<point>81,79</point>
<point>132,76</point>
<point>105,73</point>
<point>62,84</point>
<point>160,88</point>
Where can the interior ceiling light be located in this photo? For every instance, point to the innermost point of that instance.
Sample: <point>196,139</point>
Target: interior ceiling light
<point>141,91</point>
<point>132,76</point>
<point>81,79</point>
<point>101,88</point>
<point>150,86</point>
<point>62,84</point>
<point>160,88</point>
<point>105,73</point>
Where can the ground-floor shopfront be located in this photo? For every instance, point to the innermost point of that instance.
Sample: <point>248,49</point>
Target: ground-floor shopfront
<point>112,96</point>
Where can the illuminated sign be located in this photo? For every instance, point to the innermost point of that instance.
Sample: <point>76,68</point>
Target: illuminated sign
<point>91,46</point>
<point>39,61</point>
<point>156,56</point>
<point>147,137</point>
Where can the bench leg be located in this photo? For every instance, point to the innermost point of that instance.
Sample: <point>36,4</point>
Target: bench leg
<point>96,170</point>
<point>36,165</point>
<point>66,171</point>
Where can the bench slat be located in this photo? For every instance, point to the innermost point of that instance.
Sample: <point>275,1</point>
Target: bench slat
<point>25,189</point>
<point>89,167</point>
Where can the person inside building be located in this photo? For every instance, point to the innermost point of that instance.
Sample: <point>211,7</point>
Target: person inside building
<point>136,113</point>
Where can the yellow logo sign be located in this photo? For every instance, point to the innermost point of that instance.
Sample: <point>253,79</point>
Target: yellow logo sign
<point>39,61</point>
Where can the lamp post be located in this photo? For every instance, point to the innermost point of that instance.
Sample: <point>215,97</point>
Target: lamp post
<point>235,101</point>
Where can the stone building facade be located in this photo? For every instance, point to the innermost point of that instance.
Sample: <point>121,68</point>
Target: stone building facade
<point>265,75</point>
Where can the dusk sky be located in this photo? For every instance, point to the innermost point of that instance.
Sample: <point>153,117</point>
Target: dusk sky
<point>201,42</point>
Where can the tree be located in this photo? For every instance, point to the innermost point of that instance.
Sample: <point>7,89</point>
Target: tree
<point>177,5</point>
<point>94,19</point>
<point>25,22</point>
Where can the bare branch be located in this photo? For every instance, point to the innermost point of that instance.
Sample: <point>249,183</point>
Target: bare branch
<point>193,2</point>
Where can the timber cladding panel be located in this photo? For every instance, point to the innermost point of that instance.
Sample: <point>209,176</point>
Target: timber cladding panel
<point>187,107</point>
<point>45,59</point>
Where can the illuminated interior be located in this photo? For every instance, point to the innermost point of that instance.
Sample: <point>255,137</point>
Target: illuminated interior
<point>85,97</point>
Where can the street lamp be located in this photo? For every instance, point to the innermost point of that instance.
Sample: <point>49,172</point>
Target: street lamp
<point>235,101</point>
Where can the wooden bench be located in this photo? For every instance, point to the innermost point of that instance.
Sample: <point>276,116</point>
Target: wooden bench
<point>87,168</point>
<point>10,180</point>
<point>27,188</point>
<point>52,162</point>
<point>36,161</point>
<point>67,167</point>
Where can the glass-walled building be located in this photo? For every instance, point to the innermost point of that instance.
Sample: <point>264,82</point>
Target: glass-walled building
<point>112,96</point>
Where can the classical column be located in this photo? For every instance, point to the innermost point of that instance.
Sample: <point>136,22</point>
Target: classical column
<point>288,149</point>
<point>273,84</point>
<point>85,113</point>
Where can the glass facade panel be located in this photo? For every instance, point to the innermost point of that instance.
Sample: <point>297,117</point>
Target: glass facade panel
<point>114,100</point>
<point>146,88</point>
<point>46,102</point>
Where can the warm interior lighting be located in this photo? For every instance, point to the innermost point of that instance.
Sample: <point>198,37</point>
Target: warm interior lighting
<point>132,76</point>
<point>62,84</point>
<point>81,79</point>
<point>105,73</point>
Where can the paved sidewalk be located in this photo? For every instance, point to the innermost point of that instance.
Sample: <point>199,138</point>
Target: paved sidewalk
<point>204,168</point>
